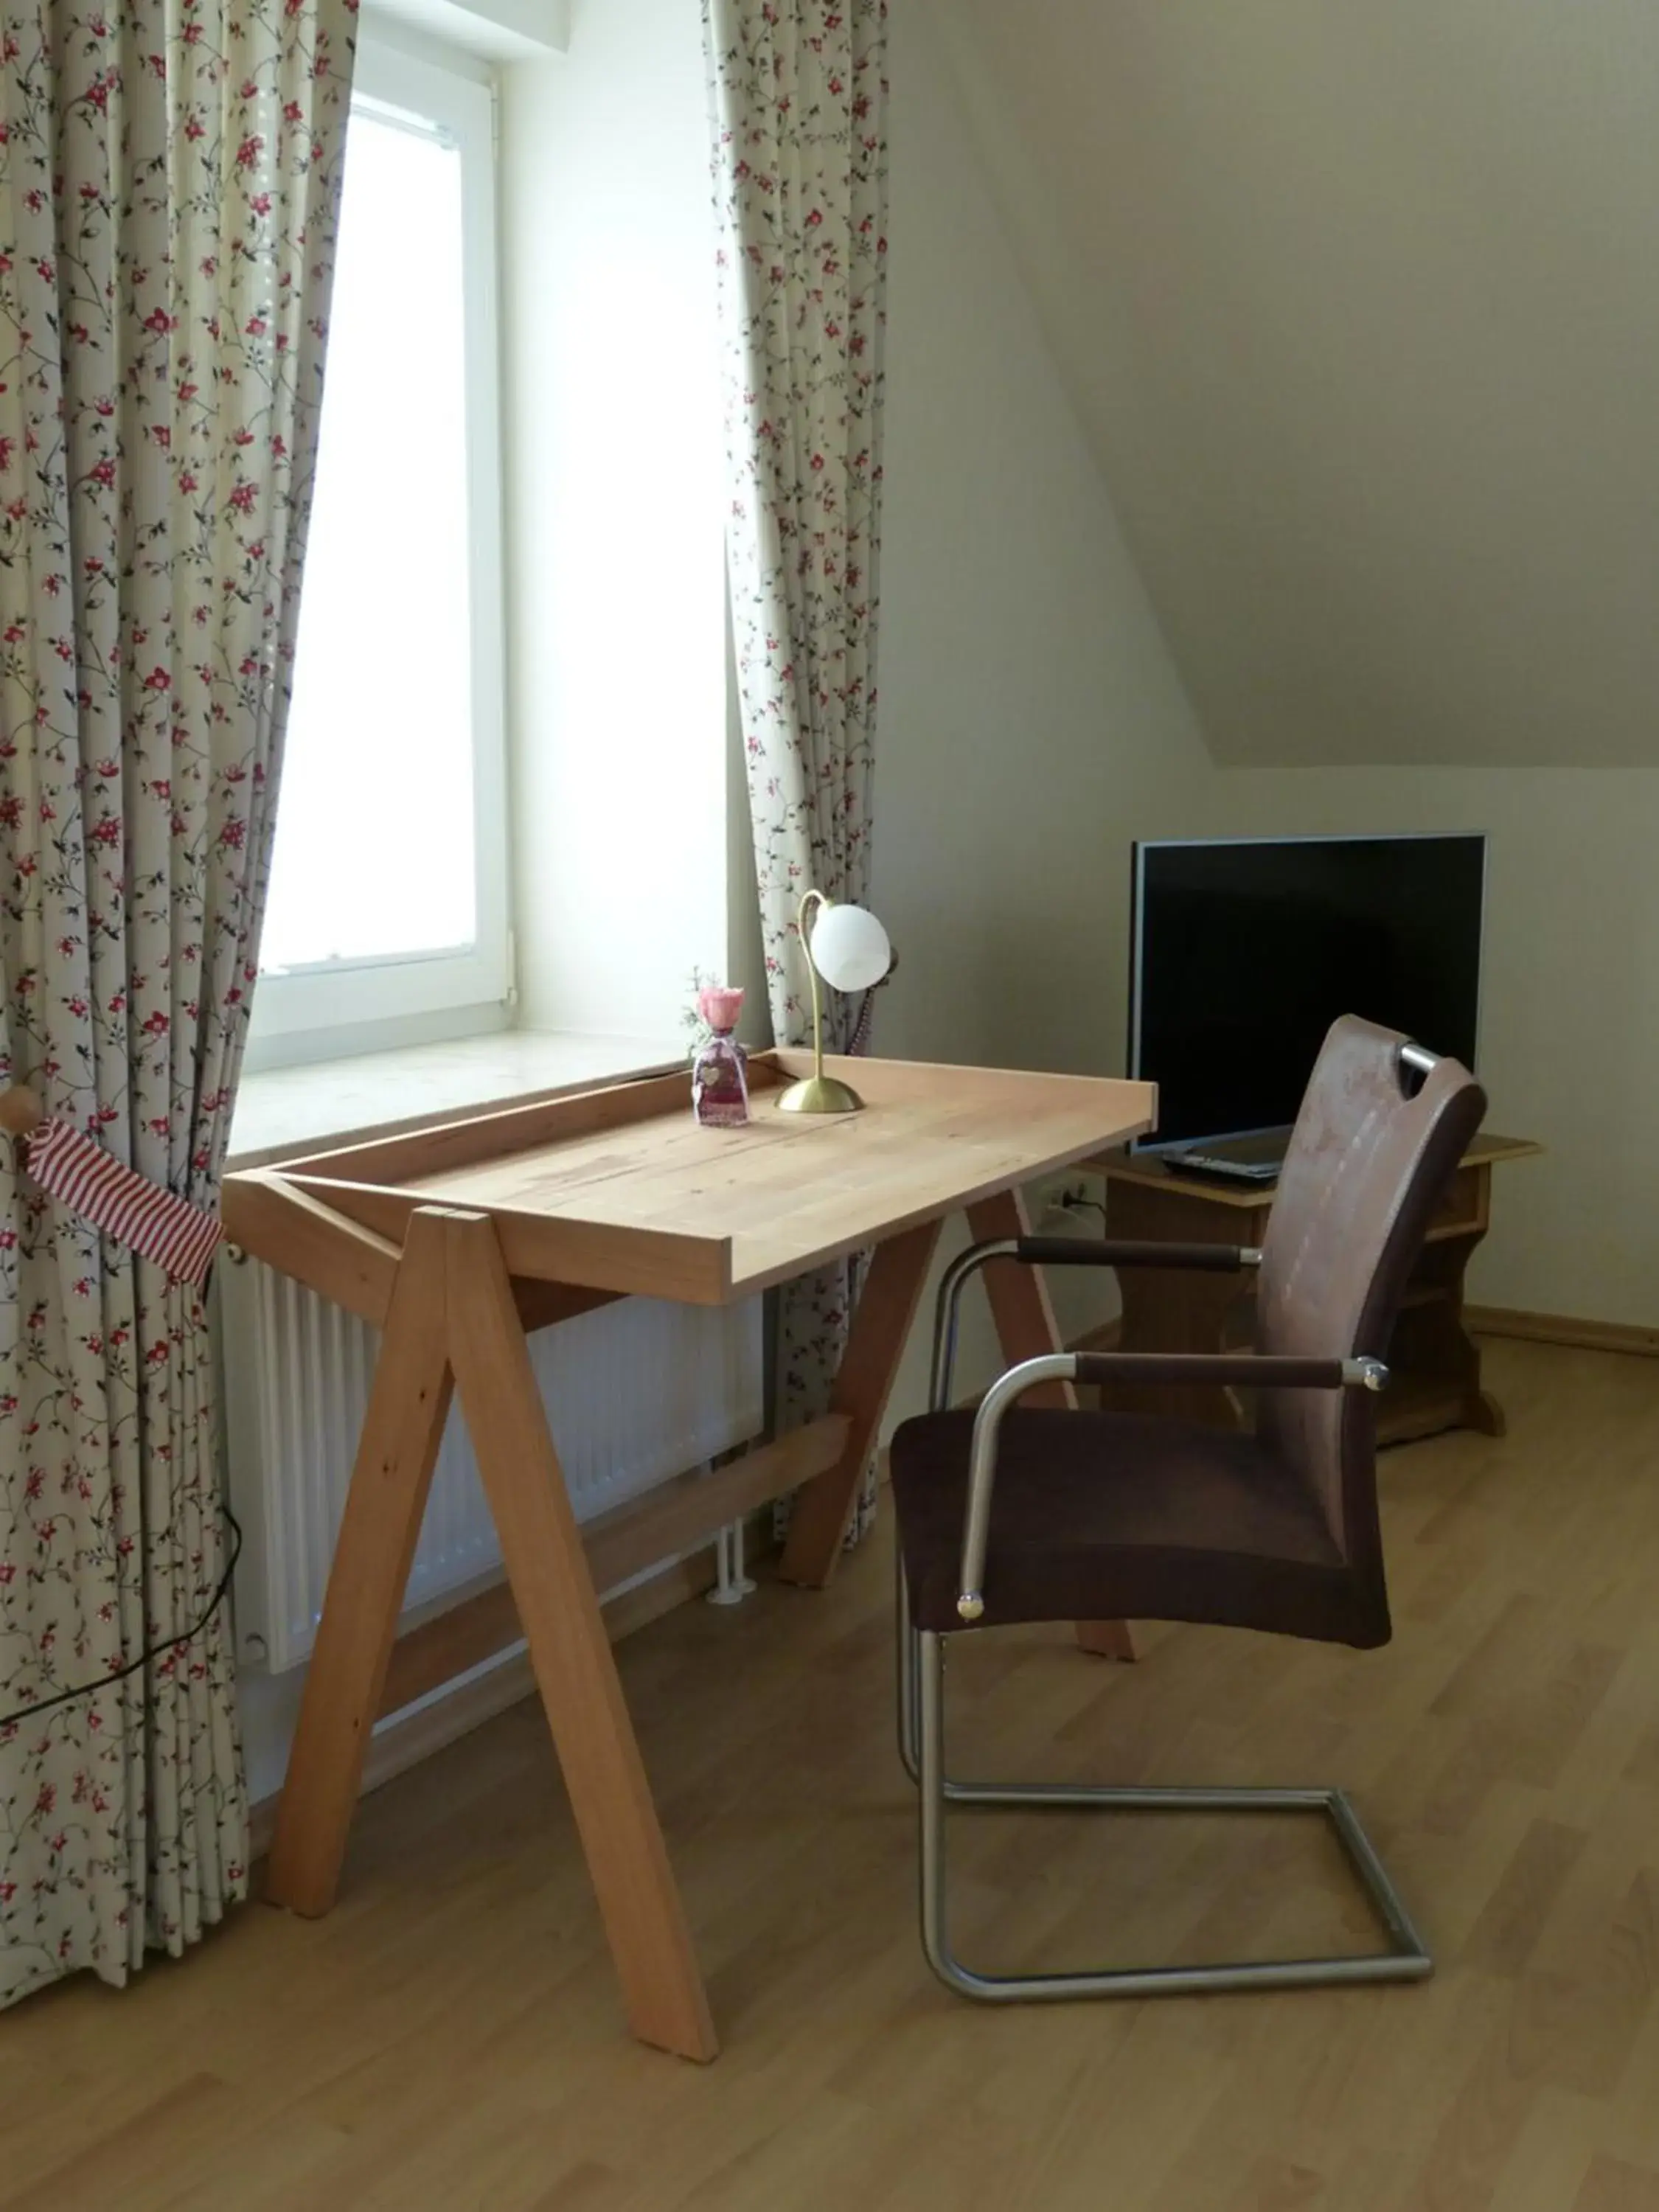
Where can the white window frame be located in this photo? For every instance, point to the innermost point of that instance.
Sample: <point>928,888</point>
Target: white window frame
<point>334,1007</point>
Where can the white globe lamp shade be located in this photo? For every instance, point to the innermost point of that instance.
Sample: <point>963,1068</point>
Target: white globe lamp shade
<point>849,948</point>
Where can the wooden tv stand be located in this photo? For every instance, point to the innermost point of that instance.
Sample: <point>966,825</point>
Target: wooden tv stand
<point>1434,1363</point>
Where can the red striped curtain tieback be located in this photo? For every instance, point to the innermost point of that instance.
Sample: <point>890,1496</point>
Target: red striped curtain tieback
<point>75,1169</point>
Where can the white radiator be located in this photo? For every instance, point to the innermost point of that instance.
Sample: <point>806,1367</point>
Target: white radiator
<point>636,1392</point>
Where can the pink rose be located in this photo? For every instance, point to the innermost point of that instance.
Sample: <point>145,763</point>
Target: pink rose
<point>719,1005</point>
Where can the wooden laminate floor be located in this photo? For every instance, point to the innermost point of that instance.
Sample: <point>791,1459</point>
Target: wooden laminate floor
<point>450,2037</point>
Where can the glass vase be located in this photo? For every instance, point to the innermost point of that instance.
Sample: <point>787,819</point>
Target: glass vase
<point>719,1076</point>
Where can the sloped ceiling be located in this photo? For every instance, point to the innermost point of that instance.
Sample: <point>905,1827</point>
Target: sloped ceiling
<point>1358,301</point>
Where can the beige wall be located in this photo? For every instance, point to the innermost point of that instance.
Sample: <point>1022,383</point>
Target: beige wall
<point>1356,302</point>
<point>1031,719</point>
<point>1570,1017</point>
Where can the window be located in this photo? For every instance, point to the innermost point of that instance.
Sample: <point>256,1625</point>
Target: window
<point>388,895</point>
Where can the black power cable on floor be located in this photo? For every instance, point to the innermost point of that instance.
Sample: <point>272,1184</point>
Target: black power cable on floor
<point>151,1651</point>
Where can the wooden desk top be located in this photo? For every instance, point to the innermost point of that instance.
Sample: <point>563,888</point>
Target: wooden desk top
<point>620,1190</point>
<point>1486,1151</point>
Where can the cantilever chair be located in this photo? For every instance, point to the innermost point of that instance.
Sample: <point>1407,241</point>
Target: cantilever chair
<point>1011,1514</point>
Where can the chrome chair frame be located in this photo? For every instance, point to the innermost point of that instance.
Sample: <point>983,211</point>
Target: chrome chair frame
<point>921,1690</point>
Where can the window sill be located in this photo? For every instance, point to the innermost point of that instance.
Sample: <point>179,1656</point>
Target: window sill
<point>281,1112</point>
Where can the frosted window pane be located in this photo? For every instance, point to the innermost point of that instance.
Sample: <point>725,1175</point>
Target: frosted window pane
<point>374,847</point>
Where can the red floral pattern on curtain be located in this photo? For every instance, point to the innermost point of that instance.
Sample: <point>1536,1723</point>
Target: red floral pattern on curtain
<point>798,98</point>
<point>169,187</point>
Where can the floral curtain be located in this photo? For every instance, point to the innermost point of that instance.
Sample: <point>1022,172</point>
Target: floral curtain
<point>169,184</point>
<point>797,99</point>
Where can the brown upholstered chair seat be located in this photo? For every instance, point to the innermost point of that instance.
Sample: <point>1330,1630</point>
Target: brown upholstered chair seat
<point>1098,1516</point>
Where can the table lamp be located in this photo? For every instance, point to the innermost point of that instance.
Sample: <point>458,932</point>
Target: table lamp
<point>848,948</point>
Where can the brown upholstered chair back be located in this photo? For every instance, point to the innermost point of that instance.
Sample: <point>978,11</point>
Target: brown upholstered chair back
<point>1368,1163</point>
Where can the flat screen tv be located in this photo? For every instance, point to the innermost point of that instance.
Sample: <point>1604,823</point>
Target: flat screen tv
<point>1246,950</point>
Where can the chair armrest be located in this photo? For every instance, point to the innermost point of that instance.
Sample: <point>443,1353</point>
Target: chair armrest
<point>1243,1371</point>
<point>1236,1371</point>
<point>1061,1252</point>
<point>1134,1252</point>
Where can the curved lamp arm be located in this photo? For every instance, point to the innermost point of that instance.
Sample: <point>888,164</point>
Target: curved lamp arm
<point>802,911</point>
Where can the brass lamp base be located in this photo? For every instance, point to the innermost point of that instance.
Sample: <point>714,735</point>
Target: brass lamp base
<point>820,1094</point>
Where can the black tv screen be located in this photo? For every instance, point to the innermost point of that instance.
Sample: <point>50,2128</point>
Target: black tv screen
<point>1245,951</point>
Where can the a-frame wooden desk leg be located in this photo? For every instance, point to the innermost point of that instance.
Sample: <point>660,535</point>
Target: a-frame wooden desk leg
<point>402,1430</point>
<point>559,1610</point>
<point>864,1383</point>
<point>1026,1329</point>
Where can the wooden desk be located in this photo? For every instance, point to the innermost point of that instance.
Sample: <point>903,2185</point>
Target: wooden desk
<point>457,1241</point>
<point>1434,1363</point>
